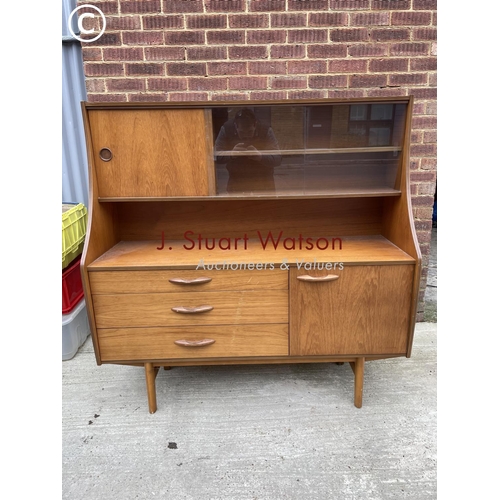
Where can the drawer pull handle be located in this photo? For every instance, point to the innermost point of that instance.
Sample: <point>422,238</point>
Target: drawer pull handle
<point>192,310</point>
<point>194,281</point>
<point>105,154</point>
<point>194,343</point>
<point>318,279</point>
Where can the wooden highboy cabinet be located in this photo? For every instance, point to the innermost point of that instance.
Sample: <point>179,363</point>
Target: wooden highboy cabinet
<point>250,233</point>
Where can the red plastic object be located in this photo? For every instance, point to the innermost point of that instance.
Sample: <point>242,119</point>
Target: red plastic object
<point>72,288</point>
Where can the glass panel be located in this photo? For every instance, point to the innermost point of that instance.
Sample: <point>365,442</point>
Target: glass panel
<point>313,149</point>
<point>381,112</point>
<point>379,136</point>
<point>359,112</point>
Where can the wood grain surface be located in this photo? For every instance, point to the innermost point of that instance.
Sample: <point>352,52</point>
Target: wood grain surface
<point>111,282</point>
<point>128,255</point>
<point>155,152</point>
<point>365,311</point>
<point>155,309</point>
<point>232,218</point>
<point>230,341</point>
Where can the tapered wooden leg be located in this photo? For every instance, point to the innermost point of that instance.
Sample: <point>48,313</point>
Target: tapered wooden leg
<point>151,385</point>
<point>358,367</point>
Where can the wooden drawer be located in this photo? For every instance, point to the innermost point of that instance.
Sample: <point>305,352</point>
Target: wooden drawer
<point>105,282</point>
<point>155,309</point>
<point>139,344</point>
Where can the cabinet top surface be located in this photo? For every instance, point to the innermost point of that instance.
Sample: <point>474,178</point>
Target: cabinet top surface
<point>215,104</point>
<point>190,253</point>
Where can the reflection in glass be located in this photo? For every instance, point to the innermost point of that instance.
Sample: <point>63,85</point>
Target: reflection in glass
<point>379,136</point>
<point>250,151</point>
<point>359,112</point>
<point>381,112</point>
<point>312,149</point>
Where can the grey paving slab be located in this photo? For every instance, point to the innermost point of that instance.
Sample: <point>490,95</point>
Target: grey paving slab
<point>252,432</point>
<point>430,298</point>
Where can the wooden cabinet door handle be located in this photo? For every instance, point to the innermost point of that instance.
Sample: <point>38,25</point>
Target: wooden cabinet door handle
<point>318,279</point>
<point>192,310</point>
<point>105,154</point>
<point>194,281</point>
<point>194,343</point>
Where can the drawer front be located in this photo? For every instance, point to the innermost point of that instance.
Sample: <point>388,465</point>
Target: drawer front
<point>140,344</point>
<point>111,282</point>
<point>357,310</point>
<point>155,309</point>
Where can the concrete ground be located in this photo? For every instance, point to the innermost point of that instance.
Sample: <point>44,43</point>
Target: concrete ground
<point>252,432</point>
<point>430,307</point>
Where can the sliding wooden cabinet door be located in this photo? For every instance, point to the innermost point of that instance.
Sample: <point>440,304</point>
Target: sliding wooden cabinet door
<point>150,153</point>
<point>366,310</point>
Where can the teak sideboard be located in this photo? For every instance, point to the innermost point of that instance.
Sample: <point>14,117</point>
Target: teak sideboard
<point>250,233</point>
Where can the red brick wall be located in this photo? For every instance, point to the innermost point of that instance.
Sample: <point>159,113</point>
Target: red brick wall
<point>177,50</point>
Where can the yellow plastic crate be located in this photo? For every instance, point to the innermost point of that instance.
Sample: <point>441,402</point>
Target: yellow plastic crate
<point>74,227</point>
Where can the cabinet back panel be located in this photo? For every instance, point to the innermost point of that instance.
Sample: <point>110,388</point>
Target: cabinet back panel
<point>231,218</point>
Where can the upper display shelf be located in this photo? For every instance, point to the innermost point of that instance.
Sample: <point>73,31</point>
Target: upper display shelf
<point>315,151</point>
<point>248,149</point>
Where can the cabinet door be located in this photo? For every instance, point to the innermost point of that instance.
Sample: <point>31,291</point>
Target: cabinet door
<point>151,152</point>
<point>366,310</point>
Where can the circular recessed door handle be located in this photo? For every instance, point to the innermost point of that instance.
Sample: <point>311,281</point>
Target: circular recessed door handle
<point>105,154</point>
